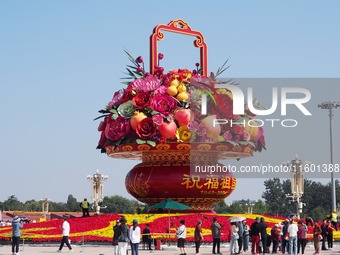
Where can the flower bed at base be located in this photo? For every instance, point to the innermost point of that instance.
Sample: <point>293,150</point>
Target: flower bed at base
<point>100,228</point>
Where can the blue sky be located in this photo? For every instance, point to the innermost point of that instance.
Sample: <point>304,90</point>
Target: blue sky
<point>61,61</point>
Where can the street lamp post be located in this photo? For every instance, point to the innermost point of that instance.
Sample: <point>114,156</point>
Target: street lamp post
<point>97,186</point>
<point>330,106</point>
<point>250,206</point>
<point>297,182</point>
<point>45,204</point>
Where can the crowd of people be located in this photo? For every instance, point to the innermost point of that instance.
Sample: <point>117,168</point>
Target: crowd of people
<point>287,237</point>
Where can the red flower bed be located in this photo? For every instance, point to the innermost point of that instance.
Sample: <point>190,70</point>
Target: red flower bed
<point>100,228</point>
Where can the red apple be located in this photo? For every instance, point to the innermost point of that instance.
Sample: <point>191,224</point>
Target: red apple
<point>213,129</point>
<point>183,117</point>
<point>168,129</point>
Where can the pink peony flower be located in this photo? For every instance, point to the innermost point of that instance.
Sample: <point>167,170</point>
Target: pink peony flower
<point>117,129</point>
<point>146,84</point>
<point>118,95</point>
<point>157,119</point>
<point>237,129</point>
<point>246,136</point>
<point>201,130</point>
<point>227,136</point>
<point>193,125</point>
<point>161,90</point>
<point>163,104</point>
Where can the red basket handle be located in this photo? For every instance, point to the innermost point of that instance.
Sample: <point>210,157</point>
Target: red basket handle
<point>180,27</point>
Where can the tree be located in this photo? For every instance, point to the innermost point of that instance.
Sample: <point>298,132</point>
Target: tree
<point>33,206</point>
<point>118,204</point>
<point>275,196</point>
<point>237,207</point>
<point>221,207</point>
<point>12,204</point>
<point>72,204</point>
<point>318,213</point>
<point>260,207</point>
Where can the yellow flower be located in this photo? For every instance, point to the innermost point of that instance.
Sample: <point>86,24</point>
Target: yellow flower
<point>183,134</point>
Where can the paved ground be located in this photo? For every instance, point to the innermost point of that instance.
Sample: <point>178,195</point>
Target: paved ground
<point>31,249</point>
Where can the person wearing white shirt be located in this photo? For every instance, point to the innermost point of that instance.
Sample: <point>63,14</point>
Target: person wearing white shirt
<point>181,234</point>
<point>66,233</point>
<point>134,237</point>
<point>292,231</point>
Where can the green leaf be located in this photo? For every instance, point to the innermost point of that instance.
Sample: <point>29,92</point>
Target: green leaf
<point>132,67</point>
<point>103,116</point>
<point>140,141</point>
<point>251,144</point>
<point>152,143</point>
<point>222,68</point>
<point>233,143</point>
<point>131,58</point>
<point>131,73</point>
<point>154,113</point>
<point>209,93</point>
<point>114,116</point>
<point>220,138</point>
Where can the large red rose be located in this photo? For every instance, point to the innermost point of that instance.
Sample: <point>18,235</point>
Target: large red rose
<point>164,104</point>
<point>117,129</point>
<point>141,100</point>
<point>146,128</point>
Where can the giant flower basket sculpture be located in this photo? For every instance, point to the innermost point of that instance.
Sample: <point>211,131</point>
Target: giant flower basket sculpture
<point>167,119</point>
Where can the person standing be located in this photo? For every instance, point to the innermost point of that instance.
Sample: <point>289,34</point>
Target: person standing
<point>302,237</point>
<point>240,235</point>
<point>16,226</point>
<point>198,236</point>
<point>66,232</point>
<point>334,220</point>
<point>284,239</point>
<point>115,237</point>
<point>324,232</point>
<point>134,237</point>
<point>292,232</point>
<point>181,234</point>
<point>85,207</point>
<point>245,236</point>
<point>147,237</point>
<point>255,236</point>
<point>234,236</point>
<point>316,237</point>
<point>263,235</point>
<point>123,236</point>
<point>330,235</point>
<point>216,235</point>
<point>275,236</point>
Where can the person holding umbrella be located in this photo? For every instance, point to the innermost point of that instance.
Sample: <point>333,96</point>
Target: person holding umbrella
<point>234,248</point>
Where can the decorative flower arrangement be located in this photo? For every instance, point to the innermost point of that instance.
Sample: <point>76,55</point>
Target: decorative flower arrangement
<point>100,228</point>
<point>166,107</point>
